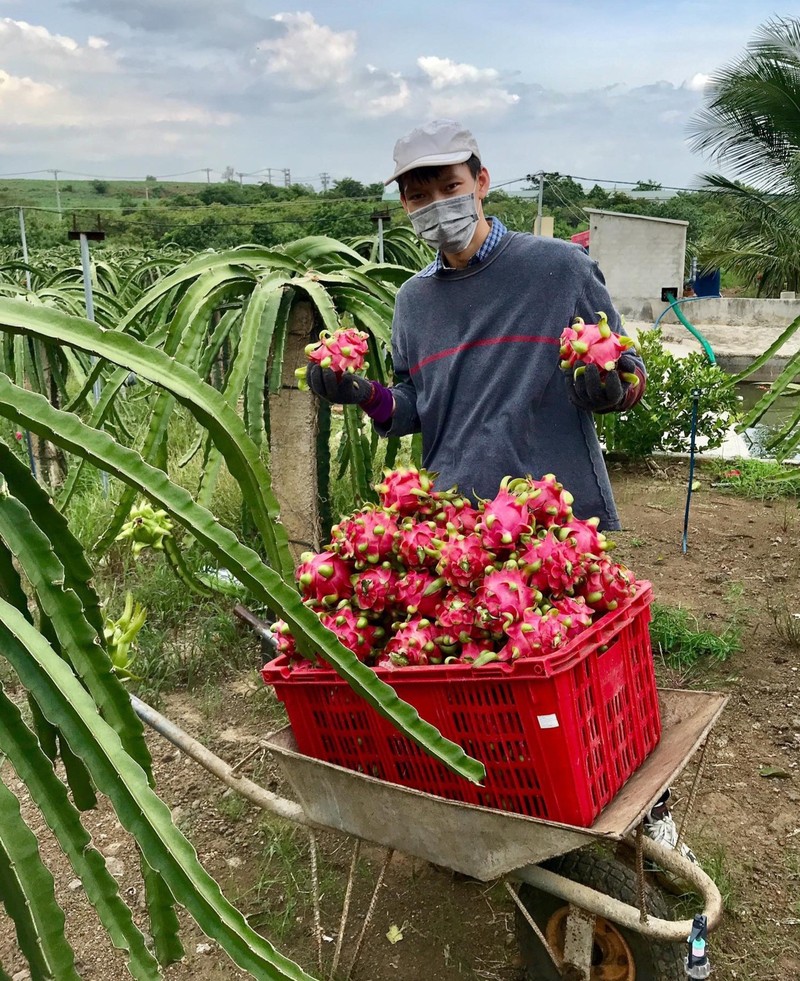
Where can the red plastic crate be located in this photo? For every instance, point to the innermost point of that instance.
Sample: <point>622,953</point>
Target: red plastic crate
<point>558,735</point>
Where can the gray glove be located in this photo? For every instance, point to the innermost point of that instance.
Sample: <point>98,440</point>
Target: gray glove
<point>595,394</point>
<point>347,389</point>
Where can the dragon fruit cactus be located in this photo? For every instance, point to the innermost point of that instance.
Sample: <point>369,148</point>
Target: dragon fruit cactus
<point>353,629</point>
<point>343,351</point>
<point>324,578</point>
<point>504,596</point>
<point>583,344</point>
<point>374,588</point>
<point>404,489</point>
<point>420,592</point>
<point>413,644</point>
<point>606,586</point>
<point>415,543</point>
<point>504,519</point>
<point>366,538</point>
<point>554,566</point>
<point>532,636</point>
<point>463,560</point>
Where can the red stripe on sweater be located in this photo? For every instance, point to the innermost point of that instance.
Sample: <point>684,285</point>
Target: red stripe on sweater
<point>511,339</point>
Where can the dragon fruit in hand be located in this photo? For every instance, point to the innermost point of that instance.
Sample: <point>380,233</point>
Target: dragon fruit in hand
<point>583,344</point>
<point>343,351</point>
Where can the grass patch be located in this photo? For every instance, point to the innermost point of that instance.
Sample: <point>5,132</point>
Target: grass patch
<point>677,636</point>
<point>759,479</point>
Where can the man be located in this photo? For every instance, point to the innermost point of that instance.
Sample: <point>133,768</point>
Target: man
<point>475,340</point>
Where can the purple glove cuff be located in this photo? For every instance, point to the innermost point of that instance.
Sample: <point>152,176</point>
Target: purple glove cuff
<point>380,405</point>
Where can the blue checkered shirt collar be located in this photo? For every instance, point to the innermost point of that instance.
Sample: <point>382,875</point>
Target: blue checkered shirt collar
<point>496,232</point>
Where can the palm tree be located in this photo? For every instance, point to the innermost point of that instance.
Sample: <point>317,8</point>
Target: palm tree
<point>751,125</point>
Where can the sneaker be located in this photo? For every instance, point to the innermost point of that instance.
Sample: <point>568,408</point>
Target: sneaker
<point>660,826</point>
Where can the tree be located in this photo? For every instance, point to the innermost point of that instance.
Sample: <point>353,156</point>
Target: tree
<point>100,187</point>
<point>751,125</point>
<point>229,173</point>
<point>647,186</point>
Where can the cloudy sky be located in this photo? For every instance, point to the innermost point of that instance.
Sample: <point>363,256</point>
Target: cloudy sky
<point>124,88</point>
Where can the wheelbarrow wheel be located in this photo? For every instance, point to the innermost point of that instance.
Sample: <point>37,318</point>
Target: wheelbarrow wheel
<point>618,954</point>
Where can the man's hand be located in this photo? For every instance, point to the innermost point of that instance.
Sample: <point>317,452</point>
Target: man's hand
<point>347,389</point>
<point>588,391</point>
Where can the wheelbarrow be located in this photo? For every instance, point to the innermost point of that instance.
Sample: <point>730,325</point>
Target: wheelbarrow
<point>581,915</point>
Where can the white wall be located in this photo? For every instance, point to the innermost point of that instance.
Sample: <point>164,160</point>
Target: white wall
<point>638,255</point>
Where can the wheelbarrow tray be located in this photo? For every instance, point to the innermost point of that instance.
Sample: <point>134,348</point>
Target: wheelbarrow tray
<point>478,841</point>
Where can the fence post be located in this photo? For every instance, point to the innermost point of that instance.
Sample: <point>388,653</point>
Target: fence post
<point>294,424</point>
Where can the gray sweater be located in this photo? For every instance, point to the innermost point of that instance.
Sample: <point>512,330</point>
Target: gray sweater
<point>476,361</point>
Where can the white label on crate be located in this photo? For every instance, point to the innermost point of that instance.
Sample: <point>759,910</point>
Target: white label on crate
<point>547,721</point>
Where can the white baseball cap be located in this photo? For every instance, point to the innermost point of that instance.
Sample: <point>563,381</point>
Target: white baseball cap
<point>436,144</point>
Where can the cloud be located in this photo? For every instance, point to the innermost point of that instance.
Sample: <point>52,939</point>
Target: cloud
<point>32,44</point>
<point>309,55</point>
<point>22,99</point>
<point>698,82</point>
<point>457,88</point>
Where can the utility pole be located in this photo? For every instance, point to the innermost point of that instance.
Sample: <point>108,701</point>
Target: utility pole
<point>379,217</point>
<point>208,173</point>
<point>24,239</point>
<point>287,177</point>
<point>325,177</point>
<point>240,174</point>
<point>58,192</point>
<point>96,235</point>
<point>269,174</point>
<point>537,222</point>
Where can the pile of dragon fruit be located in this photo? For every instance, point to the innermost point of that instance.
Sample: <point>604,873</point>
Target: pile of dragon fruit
<point>426,578</point>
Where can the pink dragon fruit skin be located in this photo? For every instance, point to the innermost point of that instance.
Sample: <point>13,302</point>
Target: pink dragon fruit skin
<point>353,629</point>
<point>366,538</point>
<point>284,641</point>
<point>503,520</point>
<point>475,649</point>
<point>574,613</point>
<point>420,592</point>
<point>343,351</point>
<point>374,589</point>
<point>594,344</point>
<point>588,541</point>
<point>606,587</point>
<point>463,560</point>
<point>458,618</point>
<point>415,544</point>
<point>533,636</point>
<point>404,489</point>
<point>503,597</point>
<point>554,566</point>
<point>324,577</point>
<point>413,644</point>
<point>546,499</point>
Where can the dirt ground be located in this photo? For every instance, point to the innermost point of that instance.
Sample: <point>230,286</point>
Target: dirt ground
<point>742,564</point>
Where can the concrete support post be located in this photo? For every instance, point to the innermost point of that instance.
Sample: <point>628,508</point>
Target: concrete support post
<point>294,422</point>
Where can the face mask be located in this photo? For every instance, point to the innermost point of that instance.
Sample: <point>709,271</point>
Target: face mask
<point>447,225</point>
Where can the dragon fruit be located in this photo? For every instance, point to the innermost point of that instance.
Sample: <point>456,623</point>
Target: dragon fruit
<point>606,587</point>
<point>504,519</point>
<point>547,501</point>
<point>405,489</point>
<point>343,350</point>
<point>584,536</point>
<point>353,629</point>
<point>420,592</point>
<point>374,588</point>
<point>554,566</point>
<point>284,642</point>
<point>504,596</point>
<point>463,559</point>
<point>413,644</point>
<point>457,617</point>
<point>324,578</point>
<point>451,512</point>
<point>366,538</point>
<point>574,613</point>
<point>532,636</point>
<point>583,344</point>
<point>474,650</point>
<point>415,543</point>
